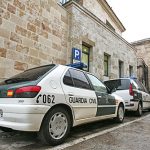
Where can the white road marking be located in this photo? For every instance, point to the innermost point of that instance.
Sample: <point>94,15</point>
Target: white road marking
<point>77,141</point>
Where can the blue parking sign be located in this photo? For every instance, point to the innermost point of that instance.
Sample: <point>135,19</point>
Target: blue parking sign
<point>76,53</point>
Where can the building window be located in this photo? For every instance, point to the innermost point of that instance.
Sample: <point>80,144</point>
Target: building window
<point>63,1</point>
<point>106,64</point>
<point>130,70</point>
<point>85,56</point>
<point>110,26</point>
<point>121,69</point>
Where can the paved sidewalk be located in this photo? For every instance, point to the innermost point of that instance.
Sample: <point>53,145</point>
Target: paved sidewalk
<point>134,136</point>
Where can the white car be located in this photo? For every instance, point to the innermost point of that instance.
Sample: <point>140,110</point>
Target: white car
<point>136,96</point>
<point>51,99</point>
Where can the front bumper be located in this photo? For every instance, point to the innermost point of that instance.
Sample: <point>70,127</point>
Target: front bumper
<point>22,117</point>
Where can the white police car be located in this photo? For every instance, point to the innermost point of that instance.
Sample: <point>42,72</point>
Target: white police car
<point>136,96</point>
<point>51,99</point>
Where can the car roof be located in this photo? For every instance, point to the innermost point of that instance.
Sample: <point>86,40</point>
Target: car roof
<point>58,65</point>
<point>41,67</point>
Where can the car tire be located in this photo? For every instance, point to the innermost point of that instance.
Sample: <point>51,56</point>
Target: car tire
<point>120,114</point>
<point>55,127</point>
<point>139,110</point>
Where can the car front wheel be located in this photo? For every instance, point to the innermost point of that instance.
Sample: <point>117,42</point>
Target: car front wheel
<point>120,114</point>
<point>55,127</point>
<point>139,110</point>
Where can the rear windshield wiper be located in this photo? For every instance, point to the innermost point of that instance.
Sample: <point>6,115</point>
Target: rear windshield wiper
<point>120,89</point>
<point>16,80</point>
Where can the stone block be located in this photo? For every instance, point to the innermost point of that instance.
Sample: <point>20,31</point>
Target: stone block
<point>31,27</point>
<point>43,56</point>
<point>1,42</point>
<point>6,15</point>
<point>34,36</point>
<point>64,19</point>
<point>27,42</point>
<point>36,22</point>
<point>17,20</point>
<point>22,31</point>
<point>11,8</point>
<point>56,46</point>
<point>10,26</point>
<point>10,1</point>
<point>33,52</point>
<point>20,13</point>
<point>42,33</point>
<point>4,33</point>
<point>3,52</point>
<point>35,61</point>
<point>2,72</point>
<point>14,55</point>
<point>15,37</point>
<point>44,41</point>
<point>46,27</point>
<point>32,60</point>
<point>19,4</point>
<point>1,12</point>
<point>57,33</point>
<point>10,44</point>
<point>3,4</point>
<point>0,21</point>
<point>22,49</point>
<point>20,66</point>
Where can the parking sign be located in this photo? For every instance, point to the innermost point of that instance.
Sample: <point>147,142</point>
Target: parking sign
<point>76,55</point>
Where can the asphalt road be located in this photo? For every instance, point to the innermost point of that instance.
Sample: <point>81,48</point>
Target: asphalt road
<point>134,136</point>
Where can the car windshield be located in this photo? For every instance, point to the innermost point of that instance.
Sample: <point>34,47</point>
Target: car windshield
<point>120,84</point>
<point>28,75</point>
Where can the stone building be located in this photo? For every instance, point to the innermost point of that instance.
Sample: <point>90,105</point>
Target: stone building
<point>143,54</point>
<point>39,32</point>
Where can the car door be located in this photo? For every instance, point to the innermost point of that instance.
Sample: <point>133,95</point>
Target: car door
<point>146,99</point>
<point>106,104</point>
<point>145,95</point>
<point>79,94</point>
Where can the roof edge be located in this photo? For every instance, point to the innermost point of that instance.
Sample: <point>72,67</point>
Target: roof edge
<point>139,42</point>
<point>112,14</point>
<point>67,5</point>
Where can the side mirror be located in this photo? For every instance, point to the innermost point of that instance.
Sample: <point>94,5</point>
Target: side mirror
<point>110,91</point>
<point>113,90</point>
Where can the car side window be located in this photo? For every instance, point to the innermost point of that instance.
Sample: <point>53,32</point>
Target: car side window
<point>79,79</point>
<point>97,84</point>
<point>67,79</point>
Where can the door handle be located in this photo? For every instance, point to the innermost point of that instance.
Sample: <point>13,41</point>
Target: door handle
<point>70,94</point>
<point>99,96</point>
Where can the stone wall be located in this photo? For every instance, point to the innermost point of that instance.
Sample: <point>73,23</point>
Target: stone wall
<point>39,32</point>
<point>96,8</point>
<point>32,33</point>
<point>102,40</point>
<point>143,51</point>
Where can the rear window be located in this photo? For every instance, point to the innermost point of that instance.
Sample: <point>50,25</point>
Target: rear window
<point>28,75</point>
<point>120,84</point>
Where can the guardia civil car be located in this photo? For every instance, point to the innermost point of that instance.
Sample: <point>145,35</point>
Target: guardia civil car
<point>53,98</point>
